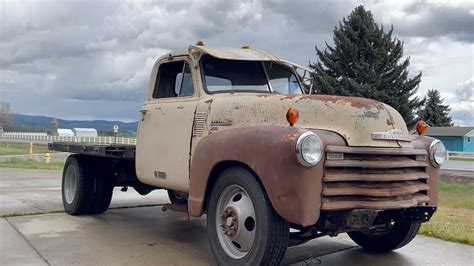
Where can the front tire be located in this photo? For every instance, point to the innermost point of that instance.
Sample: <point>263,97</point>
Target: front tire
<point>397,236</point>
<point>243,227</point>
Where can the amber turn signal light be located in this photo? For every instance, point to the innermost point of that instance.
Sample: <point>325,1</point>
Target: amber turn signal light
<point>420,127</point>
<point>292,116</point>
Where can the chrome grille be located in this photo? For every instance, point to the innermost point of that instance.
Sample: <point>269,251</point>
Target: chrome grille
<point>374,178</point>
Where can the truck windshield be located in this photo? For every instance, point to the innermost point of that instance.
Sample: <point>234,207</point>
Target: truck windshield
<point>237,75</point>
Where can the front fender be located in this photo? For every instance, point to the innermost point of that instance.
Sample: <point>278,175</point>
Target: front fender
<point>424,142</point>
<point>294,191</point>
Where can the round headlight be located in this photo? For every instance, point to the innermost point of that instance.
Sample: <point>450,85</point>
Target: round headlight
<point>437,153</point>
<point>309,149</point>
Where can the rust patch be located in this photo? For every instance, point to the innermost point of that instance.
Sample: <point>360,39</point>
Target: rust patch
<point>423,142</point>
<point>290,97</point>
<point>178,207</point>
<point>356,102</point>
<point>293,190</point>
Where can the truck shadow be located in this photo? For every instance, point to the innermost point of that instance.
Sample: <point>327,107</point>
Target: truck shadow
<point>174,229</point>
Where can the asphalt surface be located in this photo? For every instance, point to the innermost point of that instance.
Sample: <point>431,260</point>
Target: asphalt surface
<point>458,166</point>
<point>44,235</point>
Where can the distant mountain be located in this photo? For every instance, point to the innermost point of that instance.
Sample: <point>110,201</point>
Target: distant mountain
<point>43,124</point>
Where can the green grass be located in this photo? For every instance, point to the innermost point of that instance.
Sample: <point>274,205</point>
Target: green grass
<point>456,195</point>
<point>18,149</point>
<point>29,164</point>
<point>454,219</point>
<point>465,159</point>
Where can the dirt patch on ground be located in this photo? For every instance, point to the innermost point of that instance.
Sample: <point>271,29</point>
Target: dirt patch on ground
<point>457,177</point>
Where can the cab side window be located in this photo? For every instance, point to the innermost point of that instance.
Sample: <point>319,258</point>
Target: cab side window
<point>174,79</point>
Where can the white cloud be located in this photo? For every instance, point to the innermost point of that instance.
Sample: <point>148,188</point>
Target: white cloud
<point>93,59</point>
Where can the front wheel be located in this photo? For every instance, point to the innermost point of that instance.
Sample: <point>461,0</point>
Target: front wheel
<point>397,235</point>
<point>243,227</point>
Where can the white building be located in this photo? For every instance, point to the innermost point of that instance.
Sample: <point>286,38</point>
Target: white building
<point>65,132</point>
<point>84,132</point>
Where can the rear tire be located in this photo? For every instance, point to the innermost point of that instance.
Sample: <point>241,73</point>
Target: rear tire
<point>237,206</point>
<point>77,186</point>
<point>104,188</point>
<point>398,236</point>
<point>86,188</point>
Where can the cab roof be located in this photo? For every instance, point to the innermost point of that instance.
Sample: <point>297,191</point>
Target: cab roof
<point>245,53</point>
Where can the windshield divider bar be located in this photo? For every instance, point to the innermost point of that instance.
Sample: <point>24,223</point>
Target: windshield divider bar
<point>266,76</point>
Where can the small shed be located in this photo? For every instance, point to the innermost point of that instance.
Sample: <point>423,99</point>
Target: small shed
<point>84,132</point>
<point>459,139</point>
<point>65,132</point>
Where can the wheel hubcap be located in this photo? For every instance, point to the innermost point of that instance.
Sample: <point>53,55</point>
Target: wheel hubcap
<point>235,221</point>
<point>70,184</point>
<point>229,222</point>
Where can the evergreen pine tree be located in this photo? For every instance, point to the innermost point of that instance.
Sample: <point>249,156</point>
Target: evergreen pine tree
<point>434,112</point>
<point>367,62</point>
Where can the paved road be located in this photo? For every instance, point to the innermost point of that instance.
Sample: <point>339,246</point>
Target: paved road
<point>146,235</point>
<point>458,166</point>
<point>25,191</point>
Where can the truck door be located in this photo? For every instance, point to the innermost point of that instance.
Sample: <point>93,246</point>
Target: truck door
<point>165,126</point>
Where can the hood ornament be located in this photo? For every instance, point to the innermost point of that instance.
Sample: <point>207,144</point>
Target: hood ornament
<point>392,134</point>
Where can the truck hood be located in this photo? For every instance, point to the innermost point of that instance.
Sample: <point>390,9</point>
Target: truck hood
<point>355,119</point>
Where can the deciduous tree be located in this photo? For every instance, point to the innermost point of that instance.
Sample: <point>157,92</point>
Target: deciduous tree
<point>5,115</point>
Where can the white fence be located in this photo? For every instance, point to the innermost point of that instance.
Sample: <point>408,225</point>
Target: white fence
<point>22,134</point>
<point>43,137</point>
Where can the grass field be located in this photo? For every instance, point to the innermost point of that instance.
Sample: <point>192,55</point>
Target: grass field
<point>17,163</point>
<point>454,219</point>
<point>18,149</point>
<point>465,159</point>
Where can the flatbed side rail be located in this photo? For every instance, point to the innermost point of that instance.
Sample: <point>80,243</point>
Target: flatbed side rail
<point>124,151</point>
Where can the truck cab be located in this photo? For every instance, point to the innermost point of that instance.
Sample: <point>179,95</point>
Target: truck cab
<point>235,134</point>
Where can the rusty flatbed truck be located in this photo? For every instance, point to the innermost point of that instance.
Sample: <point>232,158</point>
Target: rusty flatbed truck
<point>231,134</point>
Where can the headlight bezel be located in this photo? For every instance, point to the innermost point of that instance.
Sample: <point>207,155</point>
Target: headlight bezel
<point>432,151</point>
<point>299,150</point>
